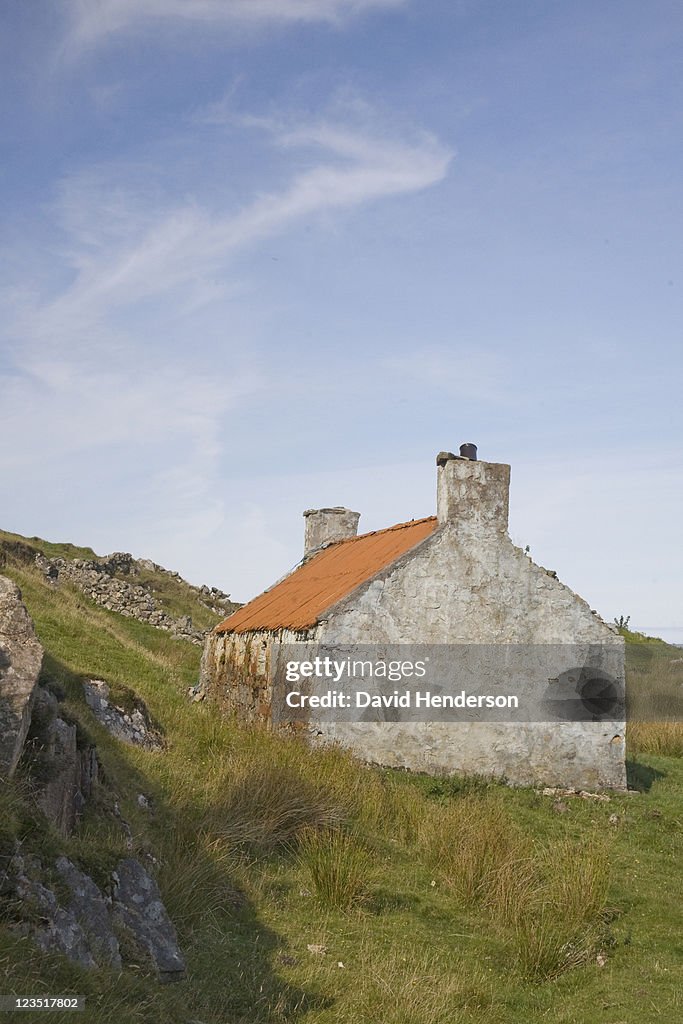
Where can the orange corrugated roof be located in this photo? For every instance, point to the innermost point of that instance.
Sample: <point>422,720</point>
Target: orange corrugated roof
<point>298,601</point>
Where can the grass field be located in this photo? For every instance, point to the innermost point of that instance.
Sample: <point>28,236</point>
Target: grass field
<point>307,887</point>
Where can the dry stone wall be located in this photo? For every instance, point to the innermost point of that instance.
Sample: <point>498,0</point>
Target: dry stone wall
<point>101,581</point>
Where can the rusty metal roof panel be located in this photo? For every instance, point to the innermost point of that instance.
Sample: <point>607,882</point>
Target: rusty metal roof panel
<point>300,599</point>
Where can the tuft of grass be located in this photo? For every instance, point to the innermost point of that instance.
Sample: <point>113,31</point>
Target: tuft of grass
<point>270,806</point>
<point>557,908</point>
<point>576,879</point>
<point>192,865</point>
<point>416,986</point>
<point>546,947</point>
<point>469,843</point>
<point>339,867</point>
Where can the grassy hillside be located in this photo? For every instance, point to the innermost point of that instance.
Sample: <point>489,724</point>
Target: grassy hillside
<point>308,888</point>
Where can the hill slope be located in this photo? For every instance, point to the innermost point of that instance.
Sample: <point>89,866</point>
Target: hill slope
<point>307,887</point>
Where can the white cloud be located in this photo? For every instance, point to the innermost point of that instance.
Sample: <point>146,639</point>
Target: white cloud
<point>185,247</point>
<point>102,388</point>
<point>94,20</point>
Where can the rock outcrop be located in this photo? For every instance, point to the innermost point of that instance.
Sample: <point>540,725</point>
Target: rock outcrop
<point>84,924</point>
<point>70,768</point>
<point>20,659</point>
<point>133,726</point>
<point>138,909</point>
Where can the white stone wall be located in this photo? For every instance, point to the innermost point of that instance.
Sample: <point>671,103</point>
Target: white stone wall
<point>459,588</point>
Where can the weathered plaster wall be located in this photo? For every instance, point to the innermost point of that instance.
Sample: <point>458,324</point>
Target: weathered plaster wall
<point>581,755</point>
<point>458,586</point>
<point>462,586</point>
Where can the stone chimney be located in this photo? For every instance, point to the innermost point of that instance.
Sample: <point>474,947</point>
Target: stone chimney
<point>327,525</point>
<point>472,495</point>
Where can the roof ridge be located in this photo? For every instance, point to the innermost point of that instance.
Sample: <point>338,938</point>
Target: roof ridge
<point>385,529</point>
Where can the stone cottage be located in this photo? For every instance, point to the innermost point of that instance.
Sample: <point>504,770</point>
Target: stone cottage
<point>455,582</point>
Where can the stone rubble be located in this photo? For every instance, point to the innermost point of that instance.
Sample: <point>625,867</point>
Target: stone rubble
<point>100,580</point>
<point>582,794</point>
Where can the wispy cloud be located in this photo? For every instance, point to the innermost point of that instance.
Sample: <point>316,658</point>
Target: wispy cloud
<point>183,247</point>
<point>93,20</point>
<point>104,382</point>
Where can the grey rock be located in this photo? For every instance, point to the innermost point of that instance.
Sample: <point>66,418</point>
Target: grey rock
<point>75,774</point>
<point>20,659</point>
<point>138,908</point>
<point>84,929</point>
<point>133,727</point>
<point>58,931</point>
<point>90,910</point>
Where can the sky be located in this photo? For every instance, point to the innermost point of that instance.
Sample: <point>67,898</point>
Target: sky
<point>259,256</point>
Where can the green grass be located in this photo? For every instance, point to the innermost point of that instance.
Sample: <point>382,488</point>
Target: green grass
<point>339,867</point>
<point>443,900</point>
<point>49,548</point>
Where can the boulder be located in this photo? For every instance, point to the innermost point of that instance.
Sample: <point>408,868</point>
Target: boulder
<point>91,911</point>
<point>20,659</point>
<point>58,931</point>
<point>83,924</point>
<point>138,909</point>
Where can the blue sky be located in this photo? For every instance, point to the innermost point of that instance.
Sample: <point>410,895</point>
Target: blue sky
<point>264,255</point>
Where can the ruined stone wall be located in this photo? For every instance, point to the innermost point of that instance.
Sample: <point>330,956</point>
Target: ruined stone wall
<point>100,580</point>
<point>236,671</point>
